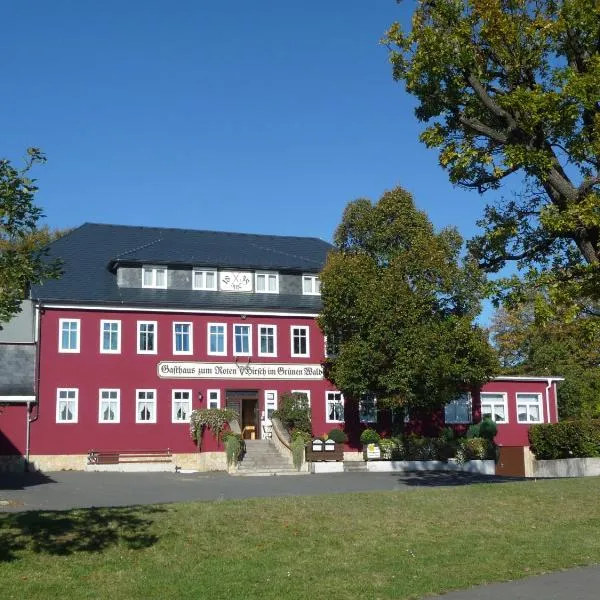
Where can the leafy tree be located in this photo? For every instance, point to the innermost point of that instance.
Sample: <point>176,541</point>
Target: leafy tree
<point>400,305</point>
<point>531,342</point>
<point>512,88</point>
<point>21,253</point>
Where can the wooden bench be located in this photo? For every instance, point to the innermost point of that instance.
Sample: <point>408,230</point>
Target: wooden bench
<point>112,457</point>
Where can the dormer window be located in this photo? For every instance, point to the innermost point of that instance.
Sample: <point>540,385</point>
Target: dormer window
<point>267,283</point>
<point>154,277</point>
<point>205,279</point>
<point>311,285</point>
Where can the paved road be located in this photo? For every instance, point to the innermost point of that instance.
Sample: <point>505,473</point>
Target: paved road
<point>70,489</point>
<point>574,584</point>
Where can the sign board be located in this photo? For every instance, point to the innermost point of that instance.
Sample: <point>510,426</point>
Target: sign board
<point>206,370</point>
<point>373,451</point>
<point>235,281</point>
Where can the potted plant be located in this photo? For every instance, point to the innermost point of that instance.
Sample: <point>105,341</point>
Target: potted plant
<point>370,439</point>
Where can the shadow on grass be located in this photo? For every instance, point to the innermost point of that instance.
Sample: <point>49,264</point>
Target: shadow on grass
<point>83,530</point>
<point>21,481</point>
<point>438,479</point>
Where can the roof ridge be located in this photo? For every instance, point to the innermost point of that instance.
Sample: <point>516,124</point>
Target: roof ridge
<point>147,245</point>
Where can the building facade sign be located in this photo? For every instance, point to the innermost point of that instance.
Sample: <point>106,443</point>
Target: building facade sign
<point>235,281</point>
<point>206,370</point>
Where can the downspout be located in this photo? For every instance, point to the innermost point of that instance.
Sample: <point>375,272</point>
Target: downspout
<point>549,420</point>
<point>30,416</point>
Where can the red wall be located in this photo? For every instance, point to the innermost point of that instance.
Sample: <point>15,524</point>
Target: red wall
<point>89,370</point>
<point>13,427</point>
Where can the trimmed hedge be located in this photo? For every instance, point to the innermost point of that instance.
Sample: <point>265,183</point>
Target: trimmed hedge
<point>566,439</point>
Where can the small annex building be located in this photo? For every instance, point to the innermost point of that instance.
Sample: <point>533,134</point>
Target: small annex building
<point>147,324</point>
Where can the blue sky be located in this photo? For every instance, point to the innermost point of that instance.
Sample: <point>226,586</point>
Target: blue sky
<point>265,116</point>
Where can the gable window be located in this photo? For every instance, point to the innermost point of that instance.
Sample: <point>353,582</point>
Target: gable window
<point>109,407</point>
<point>367,408</point>
<point>493,406</point>
<point>217,339</point>
<point>214,398</point>
<point>147,337</point>
<point>110,337</point>
<point>154,277</point>
<point>459,410</point>
<point>145,406</point>
<point>267,345</point>
<point>68,335</point>
<point>311,285</point>
<point>299,341</point>
<point>267,283</point>
<point>529,408</point>
<point>181,406</point>
<point>334,407</point>
<point>182,338</point>
<point>305,393</point>
<point>66,405</point>
<point>242,340</point>
<point>205,280</point>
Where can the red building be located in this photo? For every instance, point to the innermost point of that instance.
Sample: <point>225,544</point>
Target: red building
<point>148,324</point>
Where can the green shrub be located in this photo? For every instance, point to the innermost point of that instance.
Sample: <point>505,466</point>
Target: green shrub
<point>473,431</point>
<point>488,429</point>
<point>387,448</point>
<point>567,439</point>
<point>338,436</point>
<point>294,412</point>
<point>421,448</point>
<point>301,435</point>
<point>476,448</point>
<point>234,445</point>
<point>298,449</point>
<point>369,436</point>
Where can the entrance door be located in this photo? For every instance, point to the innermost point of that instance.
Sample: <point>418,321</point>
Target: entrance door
<point>270,408</point>
<point>245,403</point>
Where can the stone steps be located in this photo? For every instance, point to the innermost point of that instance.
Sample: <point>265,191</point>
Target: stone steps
<point>359,466</point>
<point>262,458</point>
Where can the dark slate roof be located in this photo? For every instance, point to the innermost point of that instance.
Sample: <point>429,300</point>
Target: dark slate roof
<point>91,253</point>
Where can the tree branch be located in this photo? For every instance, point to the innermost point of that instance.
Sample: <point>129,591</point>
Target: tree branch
<point>478,127</point>
<point>489,102</point>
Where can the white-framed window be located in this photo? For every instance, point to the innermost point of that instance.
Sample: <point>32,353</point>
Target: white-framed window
<point>145,406</point>
<point>311,285</point>
<point>270,404</point>
<point>213,398</point>
<point>267,340</point>
<point>367,409</point>
<point>530,408</point>
<point>68,335</point>
<point>181,406</point>
<point>242,340</point>
<point>494,406</point>
<point>204,279</point>
<point>109,406</point>
<point>305,392</point>
<point>217,339</point>
<point>110,337</point>
<point>267,283</point>
<point>334,407</point>
<point>332,347</point>
<point>154,277</point>
<point>459,410</point>
<point>67,405</point>
<point>182,338</point>
<point>147,337</point>
<point>299,338</point>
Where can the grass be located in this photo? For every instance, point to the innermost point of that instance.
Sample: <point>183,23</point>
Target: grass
<point>367,545</point>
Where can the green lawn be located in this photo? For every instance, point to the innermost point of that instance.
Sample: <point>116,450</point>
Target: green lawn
<point>368,545</point>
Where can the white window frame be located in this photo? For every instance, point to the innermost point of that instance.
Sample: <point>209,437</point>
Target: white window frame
<point>62,349</point>
<point>190,338</point>
<point>101,400</point>
<point>138,400</point>
<point>307,330</point>
<point>307,392</point>
<point>466,396</point>
<point>274,399</point>
<point>500,398</point>
<point>267,275</point>
<point>208,334</point>
<point>138,340</point>
<point>360,408</point>
<point>75,401</point>
<point>217,398</point>
<point>329,401</point>
<point>233,328</point>
<point>274,328</point>
<point>202,273</point>
<point>104,350</point>
<point>174,418</point>
<point>314,280</point>
<point>154,271</point>
<point>539,402</point>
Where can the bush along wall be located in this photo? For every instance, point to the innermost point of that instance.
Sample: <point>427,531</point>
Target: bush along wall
<point>566,439</point>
